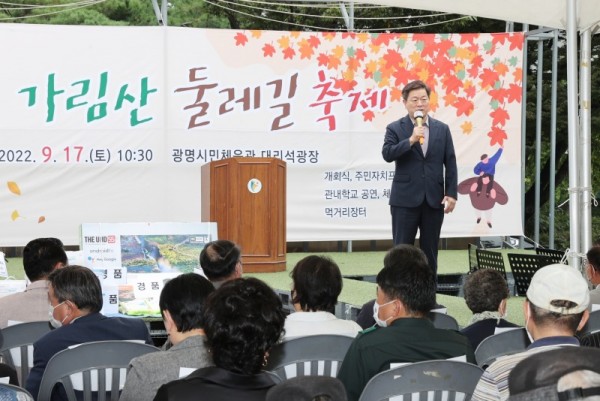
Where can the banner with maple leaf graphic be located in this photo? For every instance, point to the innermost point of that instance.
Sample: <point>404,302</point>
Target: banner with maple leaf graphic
<point>123,130</point>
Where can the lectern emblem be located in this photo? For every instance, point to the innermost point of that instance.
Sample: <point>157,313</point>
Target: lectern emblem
<point>254,185</point>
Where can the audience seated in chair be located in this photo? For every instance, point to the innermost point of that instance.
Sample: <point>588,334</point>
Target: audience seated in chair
<point>316,285</point>
<point>365,315</point>
<point>75,302</point>
<point>561,374</point>
<point>221,261</point>
<point>181,303</point>
<point>405,295</point>
<point>41,256</point>
<point>486,294</point>
<point>556,307</point>
<point>593,274</point>
<point>243,319</point>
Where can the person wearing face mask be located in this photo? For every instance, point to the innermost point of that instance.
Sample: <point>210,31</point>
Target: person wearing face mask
<point>555,309</point>
<point>405,295</point>
<point>75,298</point>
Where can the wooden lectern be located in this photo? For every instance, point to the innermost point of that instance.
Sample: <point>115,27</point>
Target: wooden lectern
<point>246,197</point>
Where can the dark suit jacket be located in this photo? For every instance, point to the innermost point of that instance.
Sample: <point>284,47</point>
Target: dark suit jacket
<point>214,383</point>
<point>93,327</point>
<point>420,178</point>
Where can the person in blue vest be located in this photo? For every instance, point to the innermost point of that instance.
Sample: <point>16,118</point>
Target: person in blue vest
<point>487,168</point>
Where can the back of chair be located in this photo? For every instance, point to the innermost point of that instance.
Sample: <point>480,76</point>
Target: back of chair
<point>91,368</point>
<point>319,355</point>
<point>490,260</point>
<point>443,321</point>
<point>306,388</point>
<point>17,345</point>
<point>449,380</point>
<point>472,251</point>
<point>524,266</point>
<point>591,339</point>
<point>10,392</point>
<point>505,343</point>
<point>593,323</point>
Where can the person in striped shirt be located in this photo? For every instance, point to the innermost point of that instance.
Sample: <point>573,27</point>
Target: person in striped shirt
<point>556,307</point>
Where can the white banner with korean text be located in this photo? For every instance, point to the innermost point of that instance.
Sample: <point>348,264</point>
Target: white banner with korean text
<point>112,124</point>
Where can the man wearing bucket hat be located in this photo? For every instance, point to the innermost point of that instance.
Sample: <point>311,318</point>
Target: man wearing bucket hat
<point>556,307</point>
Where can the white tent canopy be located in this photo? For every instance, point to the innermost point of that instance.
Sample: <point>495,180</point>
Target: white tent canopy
<point>548,13</point>
<point>574,16</point>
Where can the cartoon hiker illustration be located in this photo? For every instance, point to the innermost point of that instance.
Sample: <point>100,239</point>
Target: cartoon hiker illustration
<point>486,168</point>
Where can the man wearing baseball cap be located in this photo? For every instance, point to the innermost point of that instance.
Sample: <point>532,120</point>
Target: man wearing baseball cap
<point>556,307</point>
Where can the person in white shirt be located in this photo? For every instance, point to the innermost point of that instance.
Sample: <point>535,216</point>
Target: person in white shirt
<point>317,283</point>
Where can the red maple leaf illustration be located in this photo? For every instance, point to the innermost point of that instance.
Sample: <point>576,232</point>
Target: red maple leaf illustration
<point>471,91</point>
<point>468,38</point>
<point>268,50</point>
<point>392,59</point>
<point>289,53</point>
<point>401,76</point>
<point>323,59</point>
<point>514,93</point>
<point>383,39</point>
<point>451,83</point>
<point>368,115</point>
<point>314,41</point>
<point>445,45</point>
<point>516,41</point>
<point>360,54</point>
<point>463,106</point>
<point>499,116</point>
<point>497,136</point>
<point>344,85</point>
<point>353,64</point>
<point>240,39</point>
<point>498,94</point>
<point>488,77</point>
<point>498,38</point>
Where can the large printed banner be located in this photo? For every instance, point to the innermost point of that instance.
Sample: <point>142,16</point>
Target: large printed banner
<point>112,124</point>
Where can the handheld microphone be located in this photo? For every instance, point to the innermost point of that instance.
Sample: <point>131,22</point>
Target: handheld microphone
<point>419,120</point>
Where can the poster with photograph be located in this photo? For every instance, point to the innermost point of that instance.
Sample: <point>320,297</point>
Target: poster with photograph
<point>134,260</point>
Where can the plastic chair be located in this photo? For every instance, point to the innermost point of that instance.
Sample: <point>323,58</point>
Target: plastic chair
<point>524,266</point>
<point>443,321</point>
<point>491,260</point>
<point>9,392</point>
<point>17,345</point>
<point>319,355</point>
<point>306,388</point>
<point>449,380</point>
<point>592,325</point>
<point>472,251</point>
<point>94,368</point>
<point>505,343</point>
<point>590,339</point>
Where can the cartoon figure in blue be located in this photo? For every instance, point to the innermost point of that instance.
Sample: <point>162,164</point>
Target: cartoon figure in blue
<point>487,168</point>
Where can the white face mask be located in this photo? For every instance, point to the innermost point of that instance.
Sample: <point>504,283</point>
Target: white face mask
<point>55,322</point>
<point>376,306</point>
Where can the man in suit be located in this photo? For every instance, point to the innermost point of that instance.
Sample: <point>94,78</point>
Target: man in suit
<point>426,179</point>
<point>75,299</point>
<point>41,256</point>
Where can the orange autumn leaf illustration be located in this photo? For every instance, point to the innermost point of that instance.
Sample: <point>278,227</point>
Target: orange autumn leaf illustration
<point>284,42</point>
<point>14,215</point>
<point>497,136</point>
<point>13,187</point>
<point>499,116</point>
<point>467,127</point>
